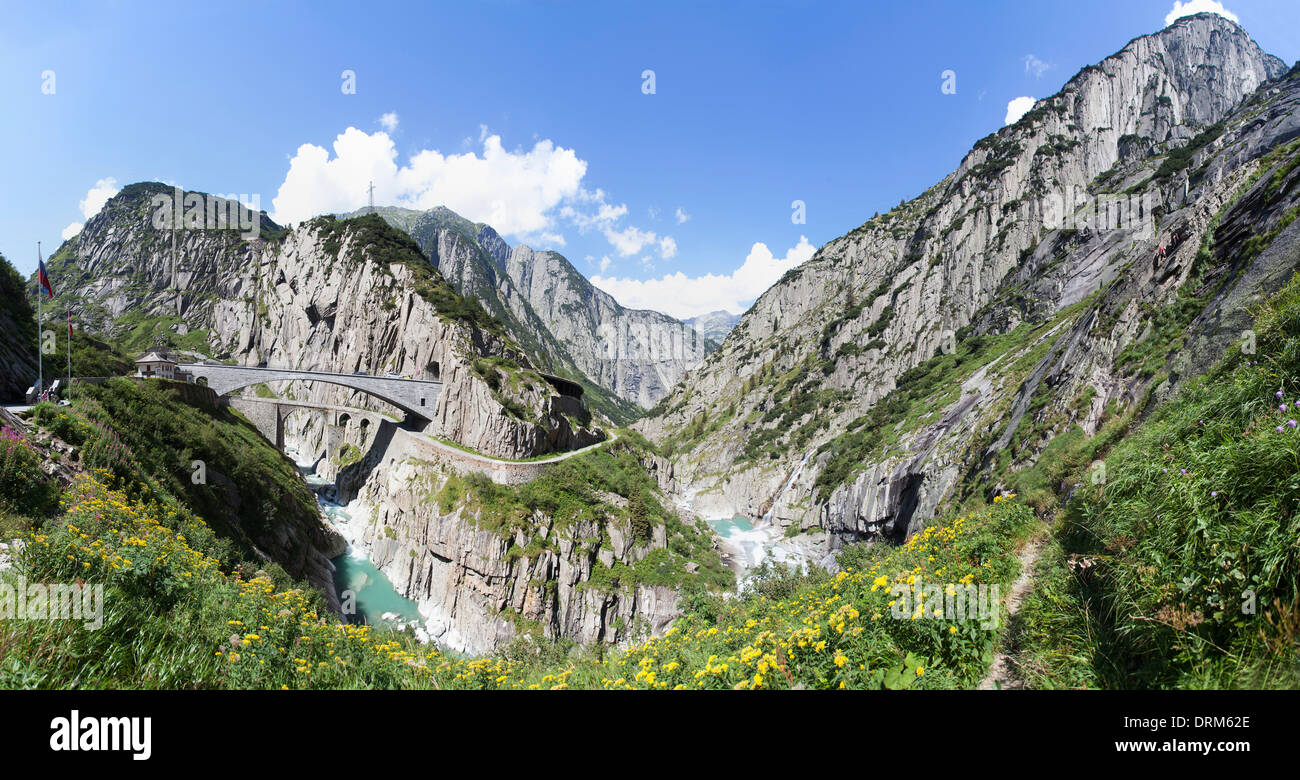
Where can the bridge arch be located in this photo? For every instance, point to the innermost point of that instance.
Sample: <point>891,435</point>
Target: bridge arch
<point>417,398</point>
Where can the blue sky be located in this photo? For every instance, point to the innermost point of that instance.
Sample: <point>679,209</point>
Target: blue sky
<point>534,116</point>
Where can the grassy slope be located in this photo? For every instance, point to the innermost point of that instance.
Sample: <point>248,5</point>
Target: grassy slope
<point>17,331</point>
<point>175,619</point>
<point>572,492</point>
<point>1181,569</point>
<point>145,436</point>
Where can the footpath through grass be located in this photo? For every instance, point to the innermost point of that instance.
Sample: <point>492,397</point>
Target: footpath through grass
<point>1183,568</point>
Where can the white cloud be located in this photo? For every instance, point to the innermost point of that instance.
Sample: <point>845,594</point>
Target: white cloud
<point>1190,7</point>
<point>682,216</point>
<point>629,240</point>
<point>1035,66</point>
<point>681,296</point>
<point>604,263</point>
<point>605,215</point>
<point>97,196</point>
<point>389,122</point>
<point>90,205</point>
<point>529,195</point>
<point>517,192</point>
<point>1017,108</point>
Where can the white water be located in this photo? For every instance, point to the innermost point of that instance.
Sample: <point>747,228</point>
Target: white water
<point>359,573</point>
<point>745,545</point>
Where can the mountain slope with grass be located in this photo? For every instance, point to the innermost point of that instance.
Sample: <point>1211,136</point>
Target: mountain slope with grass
<point>172,443</point>
<point>18,343</point>
<point>936,352</point>
<point>1175,564</point>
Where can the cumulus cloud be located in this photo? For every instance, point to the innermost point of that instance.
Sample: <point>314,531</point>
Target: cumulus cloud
<point>629,240</point>
<point>388,121</point>
<point>682,216</point>
<point>1190,7</point>
<point>97,196</point>
<point>1017,108</point>
<point>518,192</point>
<point>1035,66</point>
<point>605,215</point>
<point>90,205</point>
<point>528,194</point>
<point>683,296</point>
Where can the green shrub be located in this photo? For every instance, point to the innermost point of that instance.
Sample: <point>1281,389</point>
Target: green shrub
<point>1196,581</point>
<point>24,490</point>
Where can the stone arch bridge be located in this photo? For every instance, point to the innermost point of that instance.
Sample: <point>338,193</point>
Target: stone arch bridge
<point>268,416</point>
<point>415,397</point>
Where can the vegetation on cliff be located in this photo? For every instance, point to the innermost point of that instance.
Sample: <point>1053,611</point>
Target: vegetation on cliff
<point>16,311</point>
<point>370,236</point>
<point>174,617</point>
<point>1180,568</point>
<point>606,486</point>
<point>147,436</point>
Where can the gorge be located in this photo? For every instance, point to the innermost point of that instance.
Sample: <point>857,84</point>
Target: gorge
<point>504,477</point>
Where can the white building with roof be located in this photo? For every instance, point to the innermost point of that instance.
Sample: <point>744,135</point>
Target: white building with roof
<point>154,365</point>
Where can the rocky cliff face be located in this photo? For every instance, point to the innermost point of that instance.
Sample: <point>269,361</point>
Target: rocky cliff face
<point>934,349</point>
<point>330,296</point>
<point>347,312</point>
<point>638,354</point>
<point>357,295</point>
<point>487,565</point>
<point>634,356</point>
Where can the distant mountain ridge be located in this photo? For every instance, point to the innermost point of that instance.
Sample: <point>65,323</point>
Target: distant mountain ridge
<point>715,325</point>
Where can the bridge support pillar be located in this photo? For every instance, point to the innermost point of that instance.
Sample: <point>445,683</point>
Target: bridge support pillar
<point>267,418</point>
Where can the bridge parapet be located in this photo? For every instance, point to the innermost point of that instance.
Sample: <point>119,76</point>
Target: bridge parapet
<point>416,397</point>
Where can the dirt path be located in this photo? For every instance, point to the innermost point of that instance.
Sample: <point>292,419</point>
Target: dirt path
<point>1003,672</point>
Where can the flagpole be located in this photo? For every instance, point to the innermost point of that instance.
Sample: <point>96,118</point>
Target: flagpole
<point>40,352</point>
<point>69,354</point>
